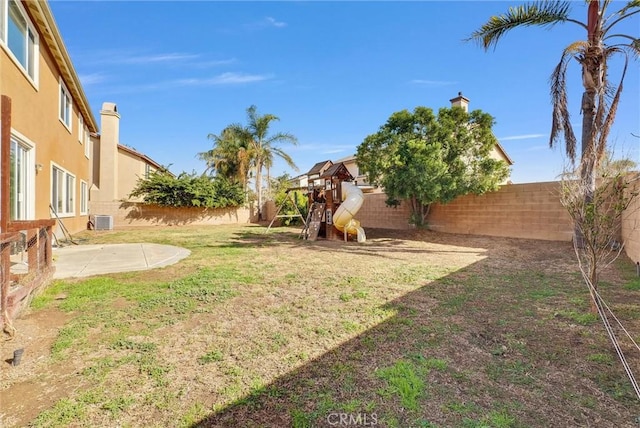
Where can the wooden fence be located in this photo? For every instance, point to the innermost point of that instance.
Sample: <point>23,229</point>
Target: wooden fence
<point>27,264</point>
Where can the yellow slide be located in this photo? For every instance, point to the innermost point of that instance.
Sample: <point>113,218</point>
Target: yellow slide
<point>352,199</point>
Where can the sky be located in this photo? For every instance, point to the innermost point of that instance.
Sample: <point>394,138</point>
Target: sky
<point>333,72</point>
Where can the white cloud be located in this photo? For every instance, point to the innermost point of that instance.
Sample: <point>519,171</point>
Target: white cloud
<point>432,82</point>
<point>333,151</point>
<point>522,137</point>
<point>272,22</point>
<point>230,78</point>
<point>156,58</point>
<point>91,79</point>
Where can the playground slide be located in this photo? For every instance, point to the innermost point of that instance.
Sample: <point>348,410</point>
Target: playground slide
<point>352,199</point>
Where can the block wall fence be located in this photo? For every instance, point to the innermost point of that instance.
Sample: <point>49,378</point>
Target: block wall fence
<point>127,214</point>
<point>529,211</point>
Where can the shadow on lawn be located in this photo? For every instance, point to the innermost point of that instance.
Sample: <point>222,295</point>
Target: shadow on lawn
<point>380,242</point>
<point>470,349</point>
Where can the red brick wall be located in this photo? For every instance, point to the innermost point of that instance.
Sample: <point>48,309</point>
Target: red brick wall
<point>516,210</point>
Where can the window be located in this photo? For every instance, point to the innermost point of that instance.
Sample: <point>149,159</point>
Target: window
<point>147,170</point>
<point>19,36</point>
<point>63,187</point>
<point>84,197</point>
<point>21,181</point>
<point>65,106</point>
<point>80,129</point>
<point>87,145</point>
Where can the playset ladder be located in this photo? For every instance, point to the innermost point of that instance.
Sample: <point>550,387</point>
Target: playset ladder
<point>314,220</point>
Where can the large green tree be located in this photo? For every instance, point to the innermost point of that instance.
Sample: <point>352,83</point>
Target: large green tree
<point>423,158</point>
<point>600,96</point>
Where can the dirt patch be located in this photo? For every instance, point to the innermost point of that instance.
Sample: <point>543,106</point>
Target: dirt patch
<point>36,382</point>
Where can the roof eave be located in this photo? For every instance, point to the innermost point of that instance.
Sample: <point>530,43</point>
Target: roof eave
<point>41,12</point>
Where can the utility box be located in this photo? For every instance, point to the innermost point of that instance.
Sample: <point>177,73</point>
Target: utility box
<point>102,222</point>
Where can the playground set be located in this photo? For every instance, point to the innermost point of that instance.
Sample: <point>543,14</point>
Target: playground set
<point>333,201</point>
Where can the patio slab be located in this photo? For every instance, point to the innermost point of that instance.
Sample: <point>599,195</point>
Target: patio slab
<point>86,260</point>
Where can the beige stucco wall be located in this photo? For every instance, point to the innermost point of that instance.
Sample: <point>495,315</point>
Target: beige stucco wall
<point>35,111</point>
<point>131,169</point>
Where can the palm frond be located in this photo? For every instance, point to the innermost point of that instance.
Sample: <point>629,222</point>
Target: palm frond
<point>633,4</point>
<point>561,119</point>
<point>540,13</point>
<point>635,48</point>
<point>613,109</point>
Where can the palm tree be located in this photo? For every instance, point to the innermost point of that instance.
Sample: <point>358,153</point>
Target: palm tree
<point>230,156</point>
<point>600,98</point>
<point>263,147</point>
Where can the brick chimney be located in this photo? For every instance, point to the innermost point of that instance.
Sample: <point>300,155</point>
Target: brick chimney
<point>460,101</point>
<point>109,140</point>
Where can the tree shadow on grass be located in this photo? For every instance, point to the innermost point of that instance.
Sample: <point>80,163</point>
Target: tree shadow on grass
<point>484,346</point>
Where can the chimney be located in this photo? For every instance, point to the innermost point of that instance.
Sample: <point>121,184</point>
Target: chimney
<point>460,101</point>
<point>109,140</point>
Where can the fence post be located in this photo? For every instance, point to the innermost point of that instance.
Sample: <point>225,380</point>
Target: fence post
<point>5,208</point>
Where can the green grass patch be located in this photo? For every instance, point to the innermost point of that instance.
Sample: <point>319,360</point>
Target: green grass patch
<point>581,318</point>
<point>404,380</point>
<point>211,357</point>
<point>64,413</point>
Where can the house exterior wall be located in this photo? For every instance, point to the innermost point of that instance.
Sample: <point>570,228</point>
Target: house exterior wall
<point>35,120</point>
<point>109,140</point>
<point>132,168</point>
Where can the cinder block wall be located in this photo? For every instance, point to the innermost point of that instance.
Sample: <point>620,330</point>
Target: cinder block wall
<point>516,210</point>
<point>375,213</point>
<point>134,214</point>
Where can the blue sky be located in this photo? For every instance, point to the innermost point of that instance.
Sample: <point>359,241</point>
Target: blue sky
<point>332,71</point>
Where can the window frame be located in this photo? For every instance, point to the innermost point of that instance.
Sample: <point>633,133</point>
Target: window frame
<point>84,197</point>
<point>87,144</point>
<point>31,66</point>
<point>28,199</point>
<point>65,106</point>
<point>61,184</point>
<point>80,129</point>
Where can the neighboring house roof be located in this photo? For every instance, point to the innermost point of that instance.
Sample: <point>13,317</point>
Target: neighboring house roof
<point>43,19</point>
<point>319,167</point>
<point>141,156</point>
<point>503,152</point>
<point>338,170</point>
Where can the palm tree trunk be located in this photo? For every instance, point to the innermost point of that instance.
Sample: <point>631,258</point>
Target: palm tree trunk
<point>259,188</point>
<point>592,80</point>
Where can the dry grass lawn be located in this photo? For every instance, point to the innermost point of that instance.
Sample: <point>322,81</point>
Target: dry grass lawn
<point>410,329</point>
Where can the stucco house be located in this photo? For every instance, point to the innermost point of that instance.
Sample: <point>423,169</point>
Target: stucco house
<point>116,166</point>
<point>60,163</point>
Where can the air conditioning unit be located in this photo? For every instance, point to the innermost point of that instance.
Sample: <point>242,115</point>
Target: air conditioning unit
<point>102,222</point>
